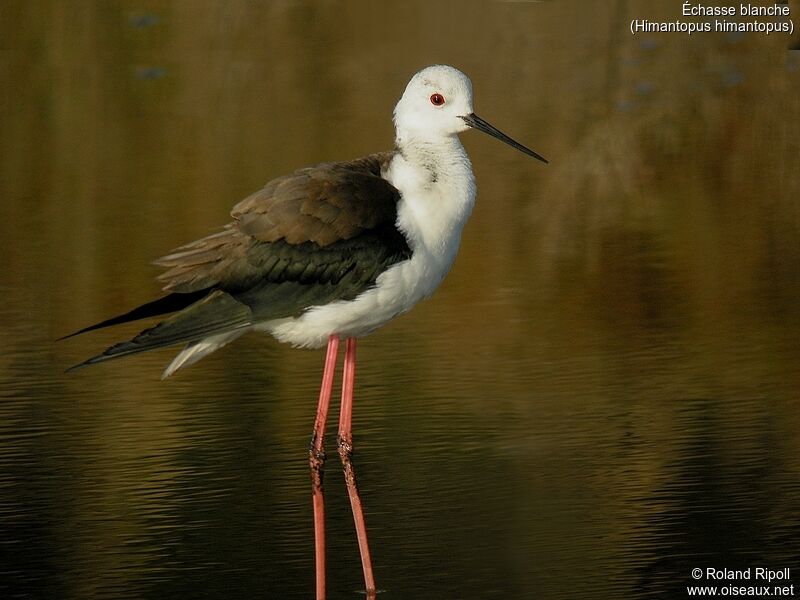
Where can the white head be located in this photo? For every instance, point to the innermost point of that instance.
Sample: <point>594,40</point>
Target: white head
<point>437,103</point>
<point>434,103</point>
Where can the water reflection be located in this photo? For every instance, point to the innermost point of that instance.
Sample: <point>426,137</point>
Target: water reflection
<point>602,396</point>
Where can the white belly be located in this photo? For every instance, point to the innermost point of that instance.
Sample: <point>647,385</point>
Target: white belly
<point>396,291</point>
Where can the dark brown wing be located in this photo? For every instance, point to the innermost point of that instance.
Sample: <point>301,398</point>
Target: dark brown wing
<point>323,204</point>
<point>321,234</point>
<point>294,228</point>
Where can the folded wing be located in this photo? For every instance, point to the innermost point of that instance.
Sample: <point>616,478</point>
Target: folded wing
<point>320,234</point>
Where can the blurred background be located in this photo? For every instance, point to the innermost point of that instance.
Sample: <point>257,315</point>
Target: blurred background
<point>602,396</point>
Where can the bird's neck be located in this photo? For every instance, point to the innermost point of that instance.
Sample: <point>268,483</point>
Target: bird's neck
<point>435,158</point>
<point>437,189</point>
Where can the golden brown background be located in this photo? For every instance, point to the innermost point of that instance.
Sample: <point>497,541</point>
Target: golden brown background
<point>602,396</point>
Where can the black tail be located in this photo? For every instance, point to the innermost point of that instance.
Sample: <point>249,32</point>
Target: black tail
<point>215,313</point>
<point>162,306</point>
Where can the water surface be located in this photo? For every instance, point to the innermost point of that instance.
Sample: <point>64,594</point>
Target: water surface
<point>602,396</point>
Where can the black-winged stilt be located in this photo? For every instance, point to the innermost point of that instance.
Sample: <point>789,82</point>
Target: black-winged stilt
<point>331,251</point>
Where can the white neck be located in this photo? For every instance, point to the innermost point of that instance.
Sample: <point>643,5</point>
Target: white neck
<point>434,177</point>
<point>440,154</point>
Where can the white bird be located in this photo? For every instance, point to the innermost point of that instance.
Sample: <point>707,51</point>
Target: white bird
<point>331,251</point>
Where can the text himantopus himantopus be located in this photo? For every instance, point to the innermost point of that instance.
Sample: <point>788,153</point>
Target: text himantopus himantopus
<point>330,251</point>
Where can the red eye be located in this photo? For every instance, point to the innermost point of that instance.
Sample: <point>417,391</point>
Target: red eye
<point>437,99</point>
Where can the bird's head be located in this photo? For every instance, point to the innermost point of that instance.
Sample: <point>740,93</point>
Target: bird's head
<point>437,102</point>
<point>434,101</point>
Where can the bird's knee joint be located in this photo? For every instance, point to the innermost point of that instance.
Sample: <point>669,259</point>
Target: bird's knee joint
<point>316,460</point>
<point>345,447</point>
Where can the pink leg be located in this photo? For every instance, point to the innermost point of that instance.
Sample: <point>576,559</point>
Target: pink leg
<point>345,443</point>
<point>316,459</point>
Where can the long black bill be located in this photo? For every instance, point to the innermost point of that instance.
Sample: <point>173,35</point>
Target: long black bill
<point>476,122</point>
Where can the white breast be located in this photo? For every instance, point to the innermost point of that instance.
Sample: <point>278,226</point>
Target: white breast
<point>436,201</point>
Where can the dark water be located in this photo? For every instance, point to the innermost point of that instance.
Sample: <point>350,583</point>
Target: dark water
<point>603,396</point>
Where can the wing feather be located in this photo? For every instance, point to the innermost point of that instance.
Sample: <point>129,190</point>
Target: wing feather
<point>320,234</point>
<point>299,227</point>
